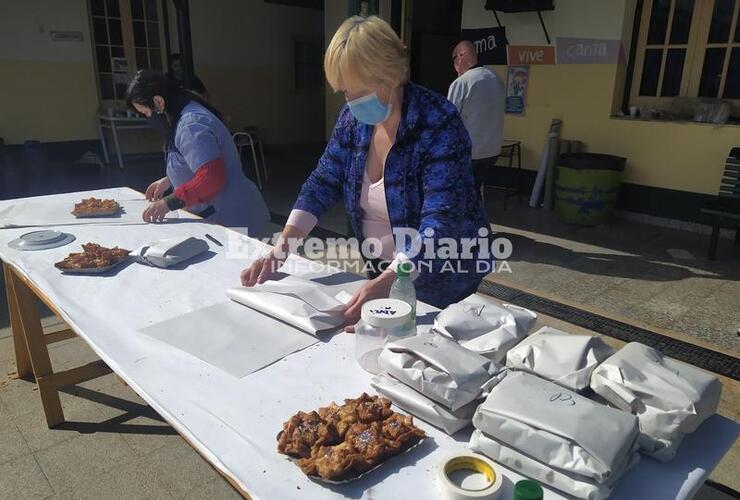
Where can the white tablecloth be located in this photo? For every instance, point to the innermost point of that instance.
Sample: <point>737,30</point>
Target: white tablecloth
<point>232,421</point>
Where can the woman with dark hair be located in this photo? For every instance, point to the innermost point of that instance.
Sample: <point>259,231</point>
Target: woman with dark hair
<point>203,165</point>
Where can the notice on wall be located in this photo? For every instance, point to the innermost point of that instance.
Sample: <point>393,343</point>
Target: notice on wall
<point>517,82</point>
<point>531,54</point>
<point>490,44</point>
<point>588,51</point>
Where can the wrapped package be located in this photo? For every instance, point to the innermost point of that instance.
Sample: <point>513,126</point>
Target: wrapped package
<point>421,406</point>
<point>670,398</point>
<point>558,427</point>
<point>572,484</point>
<point>170,251</point>
<point>440,369</point>
<point>485,327</point>
<point>565,359</point>
<point>304,304</point>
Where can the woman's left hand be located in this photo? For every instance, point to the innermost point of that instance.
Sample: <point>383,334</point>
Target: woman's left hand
<point>156,211</point>
<point>377,288</point>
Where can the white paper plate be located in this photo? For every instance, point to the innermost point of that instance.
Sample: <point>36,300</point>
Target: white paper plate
<point>41,240</point>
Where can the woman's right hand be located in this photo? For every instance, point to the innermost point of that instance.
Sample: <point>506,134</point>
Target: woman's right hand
<point>262,269</point>
<point>156,189</point>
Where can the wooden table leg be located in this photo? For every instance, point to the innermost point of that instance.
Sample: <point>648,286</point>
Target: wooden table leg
<point>32,335</point>
<point>22,362</point>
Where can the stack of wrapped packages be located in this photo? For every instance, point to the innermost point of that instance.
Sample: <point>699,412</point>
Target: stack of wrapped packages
<point>540,416</point>
<point>436,379</point>
<point>555,436</point>
<point>670,398</point>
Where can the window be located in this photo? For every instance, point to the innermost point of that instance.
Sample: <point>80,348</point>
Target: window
<point>307,62</point>
<point>687,48</point>
<point>127,36</point>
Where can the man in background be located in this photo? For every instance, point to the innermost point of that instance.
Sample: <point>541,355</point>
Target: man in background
<point>479,96</point>
<point>176,74</point>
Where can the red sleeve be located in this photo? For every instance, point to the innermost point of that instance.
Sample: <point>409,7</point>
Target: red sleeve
<point>208,181</point>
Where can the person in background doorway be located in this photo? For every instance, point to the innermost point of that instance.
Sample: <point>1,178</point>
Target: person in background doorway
<point>478,95</point>
<point>202,162</point>
<point>176,75</point>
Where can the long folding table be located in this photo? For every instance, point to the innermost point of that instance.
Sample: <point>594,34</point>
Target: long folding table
<point>233,422</point>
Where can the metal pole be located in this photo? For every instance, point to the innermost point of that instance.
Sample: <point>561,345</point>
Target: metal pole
<point>186,41</point>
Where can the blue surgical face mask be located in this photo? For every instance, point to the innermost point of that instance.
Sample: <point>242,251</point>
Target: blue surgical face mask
<point>368,109</point>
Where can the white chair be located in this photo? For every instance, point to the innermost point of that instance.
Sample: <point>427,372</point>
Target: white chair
<point>251,138</point>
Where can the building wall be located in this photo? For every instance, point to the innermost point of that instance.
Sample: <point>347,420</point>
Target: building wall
<point>248,67</point>
<point>670,155</point>
<point>242,49</point>
<point>47,89</point>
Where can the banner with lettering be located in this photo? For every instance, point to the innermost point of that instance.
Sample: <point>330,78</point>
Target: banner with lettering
<point>490,44</point>
<point>531,54</point>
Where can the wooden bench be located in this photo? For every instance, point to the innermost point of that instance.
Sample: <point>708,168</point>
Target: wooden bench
<point>725,209</point>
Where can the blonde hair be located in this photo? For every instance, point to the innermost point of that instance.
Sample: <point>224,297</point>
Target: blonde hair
<point>365,50</point>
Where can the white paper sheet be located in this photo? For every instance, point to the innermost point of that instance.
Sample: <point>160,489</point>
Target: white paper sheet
<point>232,422</point>
<point>231,338</point>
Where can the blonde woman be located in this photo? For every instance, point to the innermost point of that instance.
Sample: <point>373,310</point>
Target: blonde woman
<point>399,158</point>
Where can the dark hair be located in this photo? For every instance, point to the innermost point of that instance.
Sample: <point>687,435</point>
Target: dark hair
<point>147,84</point>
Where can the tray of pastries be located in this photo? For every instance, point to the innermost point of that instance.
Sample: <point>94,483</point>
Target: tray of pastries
<point>95,207</point>
<point>94,259</point>
<point>338,444</point>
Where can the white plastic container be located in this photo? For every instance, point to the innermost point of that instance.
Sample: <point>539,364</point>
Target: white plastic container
<point>382,320</point>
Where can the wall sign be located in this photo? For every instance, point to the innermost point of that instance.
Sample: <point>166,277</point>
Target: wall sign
<point>66,36</point>
<point>490,44</point>
<point>588,51</point>
<point>531,54</point>
<point>517,82</point>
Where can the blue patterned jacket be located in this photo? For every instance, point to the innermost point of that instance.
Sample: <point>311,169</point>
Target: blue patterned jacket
<point>428,184</point>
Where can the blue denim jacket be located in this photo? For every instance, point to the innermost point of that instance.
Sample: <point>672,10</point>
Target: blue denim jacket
<point>428,184</point>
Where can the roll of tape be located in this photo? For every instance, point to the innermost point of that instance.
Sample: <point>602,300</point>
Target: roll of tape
<point>453,488</point>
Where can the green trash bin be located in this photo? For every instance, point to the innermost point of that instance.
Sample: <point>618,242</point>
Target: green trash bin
<point>587,187</point>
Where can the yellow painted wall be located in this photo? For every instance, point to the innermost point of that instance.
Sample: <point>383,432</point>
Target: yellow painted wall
<point>683,156</point>
<point>243,52</point>
<point>47,89</point>
<point>47,101</point>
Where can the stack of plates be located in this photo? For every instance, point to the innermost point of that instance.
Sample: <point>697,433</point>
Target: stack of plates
<point>41,240</point>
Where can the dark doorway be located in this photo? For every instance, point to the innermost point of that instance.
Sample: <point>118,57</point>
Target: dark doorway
<point>435,29</point>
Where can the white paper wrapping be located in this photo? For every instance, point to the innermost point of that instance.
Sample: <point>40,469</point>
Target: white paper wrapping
<point>670,398</point>
<point>566,359</point>
<point>556,426</point>
<point>485,327</point>
<point>440,369</point>
<point>303,303</point>
<point>169,252</point>
<point>569,483</point>
<point>421,406</point>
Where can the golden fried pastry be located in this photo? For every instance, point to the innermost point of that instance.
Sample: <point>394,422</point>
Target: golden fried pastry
<point>304,431</point>
<point>369,442</point>
<point>93,256</point>
<point>332,462</point>
<point>94,206</point>
<point>399,431</point>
